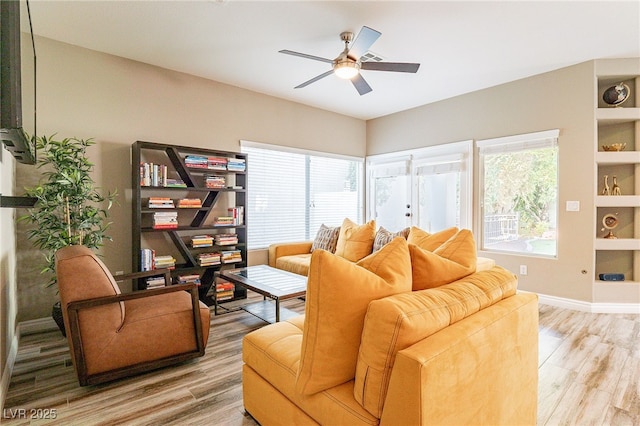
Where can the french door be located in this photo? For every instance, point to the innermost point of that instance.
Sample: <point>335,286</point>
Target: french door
<point>429,188</point>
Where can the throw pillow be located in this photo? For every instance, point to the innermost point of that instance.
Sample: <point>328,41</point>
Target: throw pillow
<point>454,259</point>
<point>384,237</point>
<point>338,294</point>
<point>428,241</point>
<point>355,241</point>
<point>326,239</point>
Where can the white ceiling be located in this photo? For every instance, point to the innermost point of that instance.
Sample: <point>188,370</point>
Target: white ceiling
<point>462,46</point>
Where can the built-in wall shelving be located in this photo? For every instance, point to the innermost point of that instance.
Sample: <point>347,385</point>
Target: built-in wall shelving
<point>617,125</point>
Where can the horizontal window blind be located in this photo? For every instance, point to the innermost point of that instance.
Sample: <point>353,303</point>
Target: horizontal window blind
<point>292,193</point>
<point>391,169</point>
<point>522,142</point>
<point>439,165</point>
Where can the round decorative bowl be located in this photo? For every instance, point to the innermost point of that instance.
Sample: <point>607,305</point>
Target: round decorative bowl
<point>614,147</point>
<point>616,95</point>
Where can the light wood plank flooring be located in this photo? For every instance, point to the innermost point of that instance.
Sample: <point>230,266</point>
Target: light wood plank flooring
<point>589,375</point>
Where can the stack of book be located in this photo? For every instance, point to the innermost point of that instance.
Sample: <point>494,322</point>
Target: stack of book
<point>224,291</point>
<point>189,203</point>
<point>155,282</point>
<point>226,239</point>
<point>153,174</point>
<point>231,256</point>
<point>175,183</point>
<point>188,279</point>
<point>238,215</point>
<point>147,257</point>
<point>215,182</point>
<point>198,241</point>
<point>165,220</point>
<point>236,164</point>
<point>209,259</point>
<point>196,161</point>
<point>217,163</point>
<point>223,221</point>
<point>166,261</point>
<point>160,203</point>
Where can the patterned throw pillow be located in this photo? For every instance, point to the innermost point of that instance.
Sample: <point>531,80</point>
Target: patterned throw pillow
<point>384,237</point>
<point>326,239</point>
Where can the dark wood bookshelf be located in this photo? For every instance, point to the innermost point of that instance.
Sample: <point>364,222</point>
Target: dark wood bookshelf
<point>190,219</point>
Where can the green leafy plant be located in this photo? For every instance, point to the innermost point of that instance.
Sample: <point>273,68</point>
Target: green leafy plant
<point>69,209</point>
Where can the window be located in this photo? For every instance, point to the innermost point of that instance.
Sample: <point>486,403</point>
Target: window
<point>427,187</point>
<point>519,193</point>
<point>292,192</point>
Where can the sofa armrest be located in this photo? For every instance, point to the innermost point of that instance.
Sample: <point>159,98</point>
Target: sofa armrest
<point>480,370</point>
<point>288,249</point>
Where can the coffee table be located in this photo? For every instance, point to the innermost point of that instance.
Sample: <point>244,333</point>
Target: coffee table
<point>273,284</point>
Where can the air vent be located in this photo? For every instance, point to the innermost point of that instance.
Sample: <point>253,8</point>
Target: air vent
<point>371,57</point>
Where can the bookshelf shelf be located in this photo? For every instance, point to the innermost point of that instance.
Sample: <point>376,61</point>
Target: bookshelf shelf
<point>162,172</point>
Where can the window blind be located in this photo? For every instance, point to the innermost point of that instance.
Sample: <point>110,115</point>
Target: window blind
<point>292,193</point>
<point>522,142</point>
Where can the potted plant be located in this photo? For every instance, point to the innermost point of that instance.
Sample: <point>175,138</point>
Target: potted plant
<point>69,209</point>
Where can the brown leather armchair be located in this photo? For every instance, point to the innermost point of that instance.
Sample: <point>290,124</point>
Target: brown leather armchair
<point>113,335</point>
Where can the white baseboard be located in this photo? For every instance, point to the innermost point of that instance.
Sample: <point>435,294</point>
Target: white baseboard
<point>596,308</point>
<point>7,370</point>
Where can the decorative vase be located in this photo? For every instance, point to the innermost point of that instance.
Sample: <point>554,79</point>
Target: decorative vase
<point>56,313</point>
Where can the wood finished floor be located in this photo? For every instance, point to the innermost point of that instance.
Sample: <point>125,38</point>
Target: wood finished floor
<point>589,375</point>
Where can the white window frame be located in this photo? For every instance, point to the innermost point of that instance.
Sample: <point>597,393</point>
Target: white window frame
<point>514,143</point>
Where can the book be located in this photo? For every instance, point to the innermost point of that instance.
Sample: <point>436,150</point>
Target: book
<point>153,174</point>
<point>237,213</point>
<point>231,256</point>
<point>165,220</point>
<point>189,203</point>
<point>236,164</point>
<point>226,239</point>
<point>198,241</point>
<point>188,279</point>
<point>160,203</point>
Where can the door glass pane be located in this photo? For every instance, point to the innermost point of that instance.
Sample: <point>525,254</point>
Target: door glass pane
<point>391,196</point>
<point>438,201</point>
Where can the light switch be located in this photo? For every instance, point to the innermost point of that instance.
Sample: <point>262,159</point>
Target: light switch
<point>573,206</point>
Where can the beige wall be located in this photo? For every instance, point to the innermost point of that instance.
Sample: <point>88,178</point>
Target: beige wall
<point>562,99</point>
<point>8,291</point>
<point>116,101</point>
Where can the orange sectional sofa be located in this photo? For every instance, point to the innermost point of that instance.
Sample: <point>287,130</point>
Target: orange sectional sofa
<point>372,349</point>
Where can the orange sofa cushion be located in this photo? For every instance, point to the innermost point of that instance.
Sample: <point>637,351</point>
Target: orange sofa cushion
<point>355,241</point>
<point>454,259</point>
<point>338,293</point>
<point>428,241</point>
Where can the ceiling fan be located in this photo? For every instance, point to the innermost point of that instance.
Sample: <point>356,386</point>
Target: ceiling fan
<point>349,63</point>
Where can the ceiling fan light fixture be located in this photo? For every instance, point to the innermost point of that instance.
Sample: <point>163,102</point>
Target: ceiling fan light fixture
<point>346,69</point>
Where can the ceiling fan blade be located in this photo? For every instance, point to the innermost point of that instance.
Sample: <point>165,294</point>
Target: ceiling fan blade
<point>314,79</point>
<point>304,55</point>
<point>361,85</point>
<point>390,66</point>
<point>363,41</point>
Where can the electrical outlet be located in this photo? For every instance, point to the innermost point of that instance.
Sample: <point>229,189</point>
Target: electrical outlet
<point>119,272</point>
<point>523,269</point>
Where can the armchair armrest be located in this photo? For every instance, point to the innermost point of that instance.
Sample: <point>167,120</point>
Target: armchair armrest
<point>287,249</point>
